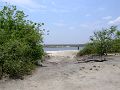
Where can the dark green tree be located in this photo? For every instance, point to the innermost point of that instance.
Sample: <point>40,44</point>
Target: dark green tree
<point>20,42</point>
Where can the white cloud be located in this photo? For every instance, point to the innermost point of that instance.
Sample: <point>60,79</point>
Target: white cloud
<point>27,4</point>
<point>107,18</point>
<point>115,22</point>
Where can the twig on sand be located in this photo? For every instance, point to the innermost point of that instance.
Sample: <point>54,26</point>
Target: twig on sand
<point>91,59</point>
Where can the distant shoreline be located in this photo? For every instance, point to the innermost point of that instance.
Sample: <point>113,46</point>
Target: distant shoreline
<point>61,48</point>
<point>65,53</point>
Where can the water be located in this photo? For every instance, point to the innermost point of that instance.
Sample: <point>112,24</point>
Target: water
<point>62,48</point>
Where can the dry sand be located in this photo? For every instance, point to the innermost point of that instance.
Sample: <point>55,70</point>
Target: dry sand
<point>63,72</point>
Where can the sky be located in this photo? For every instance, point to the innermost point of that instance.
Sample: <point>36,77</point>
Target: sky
<point>70,21</point>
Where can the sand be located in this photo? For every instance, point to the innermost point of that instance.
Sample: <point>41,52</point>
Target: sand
<point>63,72</point>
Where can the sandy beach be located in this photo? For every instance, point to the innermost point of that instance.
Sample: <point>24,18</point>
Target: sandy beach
<point>62,71</point>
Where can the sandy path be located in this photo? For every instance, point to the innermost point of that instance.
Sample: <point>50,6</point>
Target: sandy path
<point>62,72</point>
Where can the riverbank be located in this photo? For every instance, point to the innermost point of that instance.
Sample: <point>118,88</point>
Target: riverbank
<point>65,53</point>
<point>62,71</point>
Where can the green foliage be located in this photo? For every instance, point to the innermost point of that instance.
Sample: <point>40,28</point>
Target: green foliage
<point>16,69</point>
<point>20,42</point>
<point>88,49</point>
<point>103,42</point>
<point>115,46</point>
<point>0,72</point>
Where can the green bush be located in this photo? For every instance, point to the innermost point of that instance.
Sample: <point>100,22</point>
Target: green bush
<point>0,72</point>
<point>115,46</point>
<point>16,69</point>
<point>103,42</point>
<point>20,42</point>
<point>88,49</point>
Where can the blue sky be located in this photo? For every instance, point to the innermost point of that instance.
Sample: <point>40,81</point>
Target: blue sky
<point>70,21</point>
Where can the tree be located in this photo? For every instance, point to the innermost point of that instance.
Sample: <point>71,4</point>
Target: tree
<point>102,40</point>
<point>116,43</point>
<point>20,42</point>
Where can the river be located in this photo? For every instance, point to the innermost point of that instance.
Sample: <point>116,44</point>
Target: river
<point>61,48</point>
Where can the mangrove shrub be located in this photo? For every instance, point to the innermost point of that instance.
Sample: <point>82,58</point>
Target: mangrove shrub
<point>20,42</point>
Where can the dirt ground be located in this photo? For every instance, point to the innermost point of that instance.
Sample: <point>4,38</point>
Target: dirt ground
<point>63,72</point>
